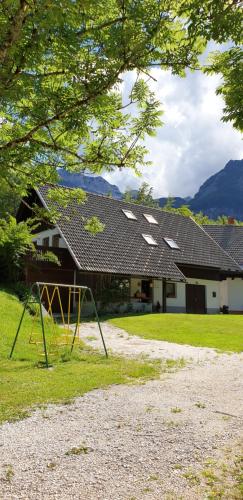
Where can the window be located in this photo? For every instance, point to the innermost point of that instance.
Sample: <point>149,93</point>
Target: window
<point>45,242</point>
<point>171,243</point>
<point>171,290</point>
<point>150,218</point>
<point>55,240</point>
<point>129,214</point>
<point>150,240</point>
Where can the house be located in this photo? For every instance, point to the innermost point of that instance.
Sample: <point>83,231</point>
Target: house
<point>144,260</point>
<point>230,239</point>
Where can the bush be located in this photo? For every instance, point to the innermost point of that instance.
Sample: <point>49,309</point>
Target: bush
<point>15,242</point>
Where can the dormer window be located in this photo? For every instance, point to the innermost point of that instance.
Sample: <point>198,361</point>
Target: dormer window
<point>150,240</point>
<point>171,243</point>
<point>150,218</point>
<point>129,214</point>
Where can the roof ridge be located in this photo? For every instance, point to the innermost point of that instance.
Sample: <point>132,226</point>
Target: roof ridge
<point>159,209</point>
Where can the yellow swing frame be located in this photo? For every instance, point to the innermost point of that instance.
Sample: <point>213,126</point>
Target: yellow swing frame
<point>39,290</point>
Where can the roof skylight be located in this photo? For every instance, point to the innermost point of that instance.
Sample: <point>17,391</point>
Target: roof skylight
<point>150,218</point>
<point>172,243</point>
<point>129,214</point>
<point>150,240</point>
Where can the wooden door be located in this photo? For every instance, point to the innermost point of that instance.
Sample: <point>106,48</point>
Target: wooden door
<point>195,299</point>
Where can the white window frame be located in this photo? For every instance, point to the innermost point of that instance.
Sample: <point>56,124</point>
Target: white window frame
<point>129,214</point>
<point>150,240</point>
<point>172,243</point>
<point>150,218</point>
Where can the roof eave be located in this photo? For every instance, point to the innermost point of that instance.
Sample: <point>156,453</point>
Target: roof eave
<point>62,235</point>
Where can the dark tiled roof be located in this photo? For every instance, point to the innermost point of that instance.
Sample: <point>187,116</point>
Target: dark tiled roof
<point>230,238</point>
<point>121,249</point>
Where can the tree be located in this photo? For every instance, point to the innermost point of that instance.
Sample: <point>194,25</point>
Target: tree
<point>230,65</point>
<point>15,242</point>
<point>169,205</point>
<point>61,65</point>
<point>9,202</point>
<point>144,196</point>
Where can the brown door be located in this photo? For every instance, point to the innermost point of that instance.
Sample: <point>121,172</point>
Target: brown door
<point>195,299</point>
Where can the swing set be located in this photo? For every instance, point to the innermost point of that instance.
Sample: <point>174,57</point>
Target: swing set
<point>58,329</point>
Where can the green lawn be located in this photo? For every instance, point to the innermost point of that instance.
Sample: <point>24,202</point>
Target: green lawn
<point>223,332</point>
<point>23,384</point>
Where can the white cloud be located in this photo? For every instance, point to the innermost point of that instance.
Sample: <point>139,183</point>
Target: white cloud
<point>193,143</point>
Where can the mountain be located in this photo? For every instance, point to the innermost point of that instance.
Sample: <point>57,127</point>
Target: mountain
<point>222,193</point>
<point>90,183</point>
<point>177,201</point>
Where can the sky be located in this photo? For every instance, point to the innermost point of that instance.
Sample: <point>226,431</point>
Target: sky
<point>193,143</point>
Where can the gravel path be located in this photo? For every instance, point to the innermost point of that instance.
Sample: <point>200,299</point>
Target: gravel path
<point>127,442</point>
<point>120,342</point>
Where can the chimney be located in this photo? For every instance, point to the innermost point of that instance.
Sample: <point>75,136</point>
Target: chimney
<point>231,220</point>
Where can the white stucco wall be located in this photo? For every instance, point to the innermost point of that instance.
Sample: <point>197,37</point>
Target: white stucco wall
<point>212,303</point>
<point>176,304</point>
<point>179,302</point>
<point>228,292</point>
<point>235,294</point>
<point>38,238</point>
<point>223,292</point>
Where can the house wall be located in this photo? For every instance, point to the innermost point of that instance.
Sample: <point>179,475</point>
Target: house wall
<point>228,292</point>
<point>212,303</point>
<point>178,304</point>
<point>223,293</point>
<point>48,233</point>
<point>235,294</point>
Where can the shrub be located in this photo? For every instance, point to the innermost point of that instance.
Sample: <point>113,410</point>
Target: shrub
<point>15,242</point>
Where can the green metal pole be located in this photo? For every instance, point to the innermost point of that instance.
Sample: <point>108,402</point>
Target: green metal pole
<point>20,323</point>
<point>98,321</point>
<point>42,327</point>
<point>77,322</point>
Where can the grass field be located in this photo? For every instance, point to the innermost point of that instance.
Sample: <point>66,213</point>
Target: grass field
<point>24,384</point>
<point>223,332</point>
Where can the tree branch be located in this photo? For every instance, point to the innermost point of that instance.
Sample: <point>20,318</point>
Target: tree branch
<point>15,28</point>
<point>62,114</point>
<point>56,147</point>
<point>103,25</point>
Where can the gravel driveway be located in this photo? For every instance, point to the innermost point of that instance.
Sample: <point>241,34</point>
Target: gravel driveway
<point>120,342</point>
<point>128,442</point>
